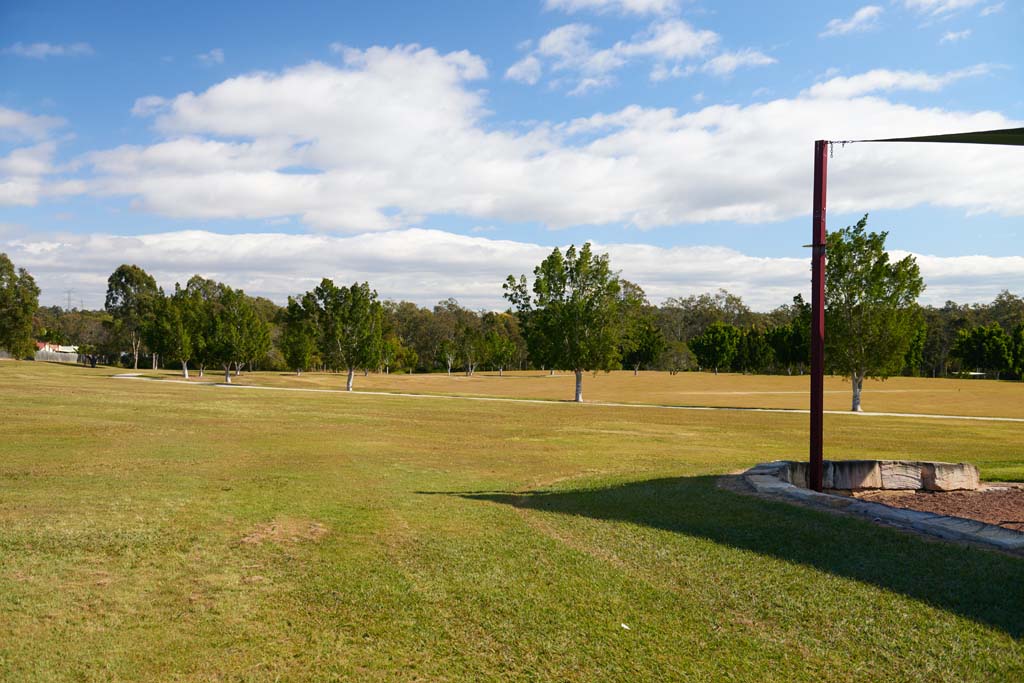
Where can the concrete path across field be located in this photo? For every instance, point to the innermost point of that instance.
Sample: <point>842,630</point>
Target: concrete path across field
<point>606,404</point>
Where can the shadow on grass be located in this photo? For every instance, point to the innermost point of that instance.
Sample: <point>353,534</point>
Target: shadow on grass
<point>987,587</point>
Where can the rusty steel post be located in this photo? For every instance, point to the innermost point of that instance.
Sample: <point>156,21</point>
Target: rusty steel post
<point>818,313</point>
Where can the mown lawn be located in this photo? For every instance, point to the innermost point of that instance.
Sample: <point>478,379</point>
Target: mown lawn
<point>157,531</point>
<point>977,397</point>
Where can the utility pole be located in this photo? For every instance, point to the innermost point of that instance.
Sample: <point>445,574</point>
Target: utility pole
<point>818,239</point>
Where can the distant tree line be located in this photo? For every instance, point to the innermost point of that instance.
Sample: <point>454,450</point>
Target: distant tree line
<point>575,314</point>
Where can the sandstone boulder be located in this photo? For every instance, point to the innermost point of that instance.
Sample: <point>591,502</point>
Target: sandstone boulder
<point>901,474</point>
<point>853,475</point>
<point>949,476</point>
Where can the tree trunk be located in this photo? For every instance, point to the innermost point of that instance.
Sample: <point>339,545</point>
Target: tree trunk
<point>858,384</point>
<point>184,368</point>
<point>238,368</point>
<point>202,368</point>
<point>227,373</point>
<point>636,370</point>
<point>501,371</point>
<point>579,386</point>
<point>716,370</point>
<point>155,365</point>
<point>351,374</point>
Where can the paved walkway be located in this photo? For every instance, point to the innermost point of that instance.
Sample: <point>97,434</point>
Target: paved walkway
<point>502,399</point>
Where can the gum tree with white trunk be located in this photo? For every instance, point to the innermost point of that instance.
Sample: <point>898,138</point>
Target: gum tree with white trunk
<point>871,311</point>
<point>349,324</point>
<point>572,313</point>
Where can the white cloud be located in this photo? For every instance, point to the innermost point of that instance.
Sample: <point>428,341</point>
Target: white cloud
<point>955,36</point>
<point>884,80</point>
<point>992,9</point>
<point>148,105</point>
<point>864,19</point>
<point>526,70</point>
<point>16,124</point>
<point>938,8</point>
<point>727,62</point>
<point>619,6</point>
<point>427,266</point>
<point>397,134</point>
<point>568,49</point>
<point>44,50</point>
<point>23,169</point>
<point>214,56</point>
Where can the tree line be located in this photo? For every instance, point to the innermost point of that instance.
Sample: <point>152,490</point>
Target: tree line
<point>575,313</point>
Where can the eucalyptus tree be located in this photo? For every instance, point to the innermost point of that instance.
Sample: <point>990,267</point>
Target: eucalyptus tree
<point>131,293</point>
<point>871,306</point>
<point>349,322</point>
<point>239,333</point>
<point>19,300</point>
<point>297,340</point>
<point>170,332</point>
<point>572,312</point>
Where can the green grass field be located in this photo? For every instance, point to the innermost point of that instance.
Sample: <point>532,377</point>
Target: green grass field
<point>158,531</point>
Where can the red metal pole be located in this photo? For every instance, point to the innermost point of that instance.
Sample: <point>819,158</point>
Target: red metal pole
<point>818,313</point>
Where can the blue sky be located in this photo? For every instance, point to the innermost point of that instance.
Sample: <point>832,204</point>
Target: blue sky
<point>433,149</point>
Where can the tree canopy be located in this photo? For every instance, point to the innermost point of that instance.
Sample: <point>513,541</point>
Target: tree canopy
<point>131,293</point>
<point>19,299</point>
<point>871,309</point>
<point>572,312</point>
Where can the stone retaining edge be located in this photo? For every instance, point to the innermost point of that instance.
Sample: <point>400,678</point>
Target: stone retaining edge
<point>766,480</point>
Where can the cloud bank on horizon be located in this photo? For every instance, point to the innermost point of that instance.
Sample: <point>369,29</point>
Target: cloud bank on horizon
<point>366,146</point>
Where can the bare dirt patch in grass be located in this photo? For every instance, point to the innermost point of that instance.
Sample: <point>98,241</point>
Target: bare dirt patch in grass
<point>1000,505</point>
<point>285,530</point>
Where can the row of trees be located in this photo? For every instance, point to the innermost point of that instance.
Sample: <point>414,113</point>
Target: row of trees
<point>204,323</point>
<point>575,313</point>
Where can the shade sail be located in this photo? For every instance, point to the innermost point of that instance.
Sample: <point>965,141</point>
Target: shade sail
<point>1006,136</point>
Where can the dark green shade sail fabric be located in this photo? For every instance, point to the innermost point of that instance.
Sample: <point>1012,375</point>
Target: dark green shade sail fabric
<point>1006,136</point>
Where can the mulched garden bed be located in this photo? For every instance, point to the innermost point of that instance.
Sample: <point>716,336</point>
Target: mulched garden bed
<point>999,504</point>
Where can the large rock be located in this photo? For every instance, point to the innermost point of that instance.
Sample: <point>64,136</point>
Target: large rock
<point>949,476</point>
<point>902,474</point>
<point>853,475</point>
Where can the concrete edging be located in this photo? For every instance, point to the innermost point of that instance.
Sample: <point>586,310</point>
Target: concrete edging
<point>770,479</point>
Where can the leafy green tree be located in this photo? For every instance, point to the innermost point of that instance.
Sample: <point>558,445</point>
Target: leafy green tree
<point>716,346</point>
<point>394,354</point>
<point>678,357</point>
<point>349,323</point>
<point>642,341</point>
<point>871,306</point>
<point>1017,350</point>
<point>574,311</point>
<point>19,299</point>
<point>753,353</point>
<point>913,362</point>
<point>203,304</point>
<point>169,331</point>
<point>448,351</point>
<point>239,333</point>
<point>130,295</point>
<point>501,351</point>
<point>985,347</point>
<point>472,345</point>
<point>791,344</point>
<point>298,337</point>
<point>502,339</point>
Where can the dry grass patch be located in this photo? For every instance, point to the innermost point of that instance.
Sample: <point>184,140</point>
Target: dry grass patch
<point>285,530</point>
